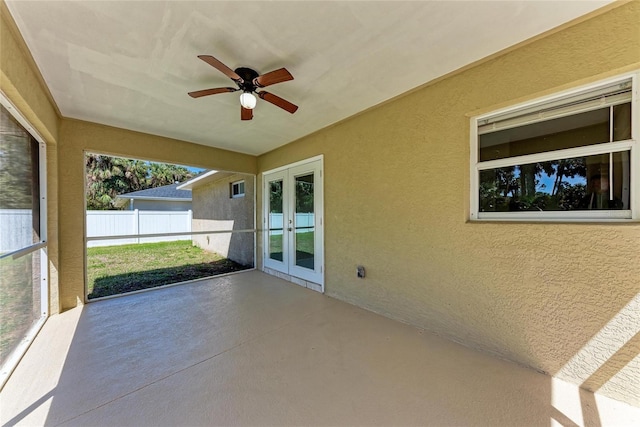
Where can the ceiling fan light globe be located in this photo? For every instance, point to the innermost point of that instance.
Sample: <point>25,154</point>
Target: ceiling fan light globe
<point>248,100</point>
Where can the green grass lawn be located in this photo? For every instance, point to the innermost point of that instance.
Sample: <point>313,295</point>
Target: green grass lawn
<point>114,270</point>
<point>304,247</point>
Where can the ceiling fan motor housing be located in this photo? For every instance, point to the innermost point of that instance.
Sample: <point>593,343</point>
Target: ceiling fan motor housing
<point>248,75</point>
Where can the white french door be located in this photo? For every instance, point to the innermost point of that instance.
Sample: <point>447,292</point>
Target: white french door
<point>293,221</point>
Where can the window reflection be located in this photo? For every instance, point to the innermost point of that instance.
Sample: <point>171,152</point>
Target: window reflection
<point>304,222</point>
<point>276,227</point>
<point>589,128</point>
<point>581,183</point>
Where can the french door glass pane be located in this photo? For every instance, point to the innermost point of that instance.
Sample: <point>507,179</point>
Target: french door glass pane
<point>580,183</point>
<point>304,222</point>
<point>276,220</point>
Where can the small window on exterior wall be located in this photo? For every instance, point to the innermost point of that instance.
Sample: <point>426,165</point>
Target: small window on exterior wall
<point>570,157</point>
<point>237,189</point>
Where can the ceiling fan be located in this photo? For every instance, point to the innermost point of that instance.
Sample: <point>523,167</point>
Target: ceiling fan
<point>248,82</point>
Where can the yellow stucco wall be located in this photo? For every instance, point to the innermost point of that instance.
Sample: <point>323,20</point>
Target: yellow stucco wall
<point>78,137</point>
<point>396,201</point>
<point>214,209</point>
<point>67,140</point>
<point>396,188</point>
<point>22,85</point>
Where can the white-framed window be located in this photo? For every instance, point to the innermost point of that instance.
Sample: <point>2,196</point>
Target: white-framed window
<point>237,189</point>
<point>573,156</point>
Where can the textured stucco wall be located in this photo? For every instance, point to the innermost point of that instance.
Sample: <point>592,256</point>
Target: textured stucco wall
<point>22,85</point>
<point>78,137</point>
<point>562,298</point>
<point>67,140</point>
<point>397,201</point>
<point>214,209</point>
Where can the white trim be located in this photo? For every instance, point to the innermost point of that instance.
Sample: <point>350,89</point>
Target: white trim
<point>295,164</point>
<point>635,151</point>
<point>255,217</point>
<point>239,195</point>
<point>187,185</point>
<point>569,153</point>
<point>186,233</point>
<point>44,233</point>
<point>162,199</point>
<point>572,216</point>
<point>315,280</point>
<point>267,261</point>
<point>536,102</point>
<point>13,110</point>
<point>25,251</point>
<point>523,118</point>
<point>474,176</point>
<point>557,99</point>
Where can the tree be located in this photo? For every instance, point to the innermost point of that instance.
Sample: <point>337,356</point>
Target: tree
<point>108,177</point>
<point>165,174</point>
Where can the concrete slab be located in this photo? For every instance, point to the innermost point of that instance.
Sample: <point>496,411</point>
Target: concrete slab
<point>252,349</point>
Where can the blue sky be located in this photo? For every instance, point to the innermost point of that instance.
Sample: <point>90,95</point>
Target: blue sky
<point>194,169</point>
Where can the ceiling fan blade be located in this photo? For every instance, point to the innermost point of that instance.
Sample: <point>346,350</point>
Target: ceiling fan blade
<point>273,77</point>
<point>245,113</point>
<point>277,101</point>
<point>221,67</point>
<point>205,92</point>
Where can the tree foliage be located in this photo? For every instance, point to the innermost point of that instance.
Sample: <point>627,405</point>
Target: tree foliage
<point>304,196</point>
<point>521,188</point>
<point>108,177</point>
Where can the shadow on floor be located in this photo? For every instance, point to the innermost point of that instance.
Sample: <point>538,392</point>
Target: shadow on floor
<point>135,281</point>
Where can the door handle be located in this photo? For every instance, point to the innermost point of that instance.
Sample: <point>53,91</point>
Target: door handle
<point>289,228</point>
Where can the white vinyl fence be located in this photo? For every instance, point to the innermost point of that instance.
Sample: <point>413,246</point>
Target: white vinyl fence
<point>16,229</point>
<point>302,220</point>
<point>119,223</point>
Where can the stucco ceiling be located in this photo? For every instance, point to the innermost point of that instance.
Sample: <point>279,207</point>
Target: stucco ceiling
<point>130,64</point>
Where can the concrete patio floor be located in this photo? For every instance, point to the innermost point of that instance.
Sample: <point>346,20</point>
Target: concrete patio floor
<point>251,349</point>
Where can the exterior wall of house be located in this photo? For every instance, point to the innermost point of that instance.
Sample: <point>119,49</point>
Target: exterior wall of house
<point>67,140</point>
<point>397,201</point>
<point>76,137</point>
<point>562,298</point>
<point>22,85</point>
<point>214,209</point>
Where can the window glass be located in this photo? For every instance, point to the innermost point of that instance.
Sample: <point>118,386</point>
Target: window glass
<point>237,189</point>
<point>304,221</point>
<point>566,153</point>
<point>622,122</point>
<point>276,220</point>
<point>580,183</point>
<point>579,130</point>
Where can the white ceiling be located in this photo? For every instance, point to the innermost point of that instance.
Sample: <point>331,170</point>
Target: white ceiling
<point>130,64</point>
